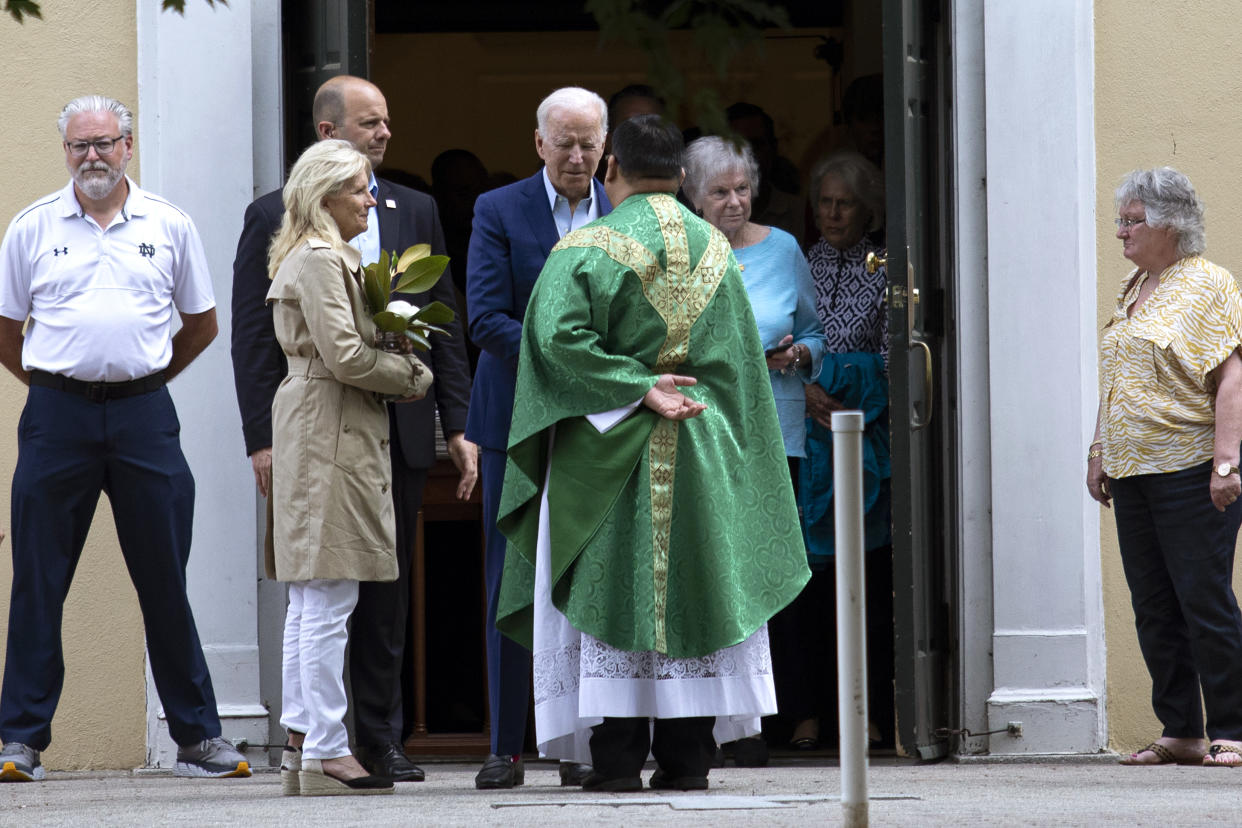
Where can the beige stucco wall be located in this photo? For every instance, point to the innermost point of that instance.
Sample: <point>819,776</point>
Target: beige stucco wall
<point>78,48</point>
<point>1168,86</point>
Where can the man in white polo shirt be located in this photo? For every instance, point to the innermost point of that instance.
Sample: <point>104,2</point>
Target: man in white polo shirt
<point>98,269</point>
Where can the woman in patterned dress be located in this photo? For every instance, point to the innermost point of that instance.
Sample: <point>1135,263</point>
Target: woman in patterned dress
<point>849,209</point>
<point>1165,453</point>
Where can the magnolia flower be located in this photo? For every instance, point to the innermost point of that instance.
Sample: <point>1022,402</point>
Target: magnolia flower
<point>402,308</point>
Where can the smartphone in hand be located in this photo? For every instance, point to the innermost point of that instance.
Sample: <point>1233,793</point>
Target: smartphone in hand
<point>770,352</point>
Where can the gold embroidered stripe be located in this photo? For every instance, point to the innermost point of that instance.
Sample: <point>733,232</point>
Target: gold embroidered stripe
<point>679,296</point>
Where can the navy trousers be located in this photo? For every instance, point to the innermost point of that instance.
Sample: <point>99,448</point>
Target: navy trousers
<point>1177,551</point>
<point>69,450</point>
<point>508,663</point>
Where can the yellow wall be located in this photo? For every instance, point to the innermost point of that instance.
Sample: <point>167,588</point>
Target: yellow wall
<point>78,48</point>
<point>1168,85</point>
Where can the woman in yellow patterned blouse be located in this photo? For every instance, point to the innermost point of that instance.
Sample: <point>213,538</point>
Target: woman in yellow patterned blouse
<point>1165,453</point>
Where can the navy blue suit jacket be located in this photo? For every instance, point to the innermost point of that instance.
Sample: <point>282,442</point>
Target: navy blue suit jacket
<point>513,234</point>
<point>259,364</point>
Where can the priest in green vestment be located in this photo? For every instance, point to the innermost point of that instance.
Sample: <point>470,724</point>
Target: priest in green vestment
<point>647,500</point>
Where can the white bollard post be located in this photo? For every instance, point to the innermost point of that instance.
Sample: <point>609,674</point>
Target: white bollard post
<point>847,429</point>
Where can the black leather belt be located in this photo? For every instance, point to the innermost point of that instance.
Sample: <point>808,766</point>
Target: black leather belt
<point>99,391</point>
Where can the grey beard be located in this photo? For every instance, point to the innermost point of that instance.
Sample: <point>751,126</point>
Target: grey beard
<point>96,187</point>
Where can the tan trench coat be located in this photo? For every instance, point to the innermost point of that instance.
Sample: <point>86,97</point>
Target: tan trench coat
<point>331,512</point>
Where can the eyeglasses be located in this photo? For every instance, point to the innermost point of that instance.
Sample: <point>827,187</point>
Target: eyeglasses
<point>1127,223</point>
<point>103,146</point>
<point>832,205</point>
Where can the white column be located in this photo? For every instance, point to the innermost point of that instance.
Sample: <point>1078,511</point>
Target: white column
<point>1048,644</point>
<point>973,423</point>
<point>201,117</point>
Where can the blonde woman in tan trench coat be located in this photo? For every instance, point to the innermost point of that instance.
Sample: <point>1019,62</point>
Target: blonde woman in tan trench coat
<point>332,521</point>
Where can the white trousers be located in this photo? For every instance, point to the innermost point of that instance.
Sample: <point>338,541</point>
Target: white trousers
<point>313,697</point>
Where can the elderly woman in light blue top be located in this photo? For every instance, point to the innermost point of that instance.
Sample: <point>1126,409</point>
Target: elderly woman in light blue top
<point>721,176</point>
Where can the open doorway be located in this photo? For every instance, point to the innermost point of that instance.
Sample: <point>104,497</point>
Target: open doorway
<point>466,80</point>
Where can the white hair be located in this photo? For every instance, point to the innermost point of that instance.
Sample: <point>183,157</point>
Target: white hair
<point>574,99</point>
<point>712,156</point>
<point>96,103</point>
<point>1169,200</point>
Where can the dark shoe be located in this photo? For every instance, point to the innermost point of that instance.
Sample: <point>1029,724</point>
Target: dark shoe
<point>574,774</point>
<point>751,752</point>
<point>500,772</point>
<point>661,781</point>
<point>616,784</point>
<point>390,760</point>
<point>313,780</point>
<point>20,763</point>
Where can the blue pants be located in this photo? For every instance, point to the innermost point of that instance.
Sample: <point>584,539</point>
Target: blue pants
<point>508,663</point>
<point>69,450</point>
<point>1177,552</point>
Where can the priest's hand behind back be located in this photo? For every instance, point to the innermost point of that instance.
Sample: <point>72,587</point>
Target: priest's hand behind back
<point>665,400</point>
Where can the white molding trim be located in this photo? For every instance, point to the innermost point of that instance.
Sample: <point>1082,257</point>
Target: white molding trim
<point>1048,642</point>
<point>196,141</point>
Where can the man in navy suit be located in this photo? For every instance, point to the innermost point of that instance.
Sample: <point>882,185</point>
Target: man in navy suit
<point>355,110</point>
<point>515,228</point>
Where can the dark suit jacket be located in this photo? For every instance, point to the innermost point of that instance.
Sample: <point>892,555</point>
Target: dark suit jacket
<point>259,364</point>
<point>513,234</point>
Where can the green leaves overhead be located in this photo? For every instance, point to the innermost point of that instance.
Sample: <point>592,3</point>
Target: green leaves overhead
<point>722,31</point>
<point>19,10</point>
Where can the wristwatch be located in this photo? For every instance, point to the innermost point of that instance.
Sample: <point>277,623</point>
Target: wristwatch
<point>1224,470</point>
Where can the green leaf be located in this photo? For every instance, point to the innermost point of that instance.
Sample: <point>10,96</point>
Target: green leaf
<point>422,275</point>
<point>19,9</point>
<point>375,286</point>
<point>429,329</point>
<point>436,313</point>
<point>179,5</point>
<point>411,255</point>
<point>389,321</point>
<point>420,342</point>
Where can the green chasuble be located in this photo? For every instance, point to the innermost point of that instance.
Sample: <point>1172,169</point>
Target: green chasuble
<point>677,537</point>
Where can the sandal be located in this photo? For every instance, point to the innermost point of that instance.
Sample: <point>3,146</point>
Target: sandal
<point>806,735</point>
<point>1164,756</point>
<point>1223,755</point>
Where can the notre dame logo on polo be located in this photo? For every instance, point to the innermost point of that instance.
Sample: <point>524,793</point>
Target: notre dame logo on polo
<point>147,250</point>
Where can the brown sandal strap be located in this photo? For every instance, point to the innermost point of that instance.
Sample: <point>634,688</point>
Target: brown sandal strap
<point>1217,750</point>
<point>1162,753</point>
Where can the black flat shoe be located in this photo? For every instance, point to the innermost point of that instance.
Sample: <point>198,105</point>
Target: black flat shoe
<point>500,772</point>
<point>615,784</point>
<point>751,752</point>
<point>573,774</point>
<point>390,761</point>
<point>661,781</point>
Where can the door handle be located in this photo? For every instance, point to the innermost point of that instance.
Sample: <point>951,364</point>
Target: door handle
<point>874,262</point>
<point>928,388</point>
